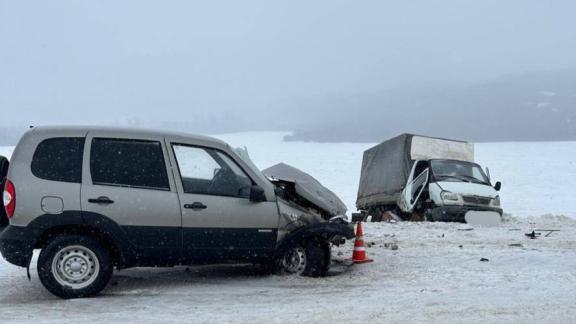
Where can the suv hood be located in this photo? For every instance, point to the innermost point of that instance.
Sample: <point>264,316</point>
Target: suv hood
<point>307,188</point>
<point>468,189</point>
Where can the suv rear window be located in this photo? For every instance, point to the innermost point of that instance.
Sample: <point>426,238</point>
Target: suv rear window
<point>59,159</point>
<point>127,162</point>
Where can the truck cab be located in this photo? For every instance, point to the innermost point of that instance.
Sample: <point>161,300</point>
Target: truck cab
<point>448,190</point>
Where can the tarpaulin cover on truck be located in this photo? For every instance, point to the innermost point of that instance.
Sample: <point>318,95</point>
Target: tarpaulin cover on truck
<point>387,166</point>
<point>308,187</point>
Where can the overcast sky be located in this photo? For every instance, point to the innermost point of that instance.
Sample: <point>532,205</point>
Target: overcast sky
<point>106,61</point>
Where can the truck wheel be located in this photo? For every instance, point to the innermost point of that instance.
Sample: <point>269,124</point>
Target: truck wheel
<point>74,266</point>
<point>311,259</point>
<point>428,216</point>
<point>377,217</point>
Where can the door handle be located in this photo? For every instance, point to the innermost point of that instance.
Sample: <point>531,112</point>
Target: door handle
<point>101,200</point>
<point>196,205</point>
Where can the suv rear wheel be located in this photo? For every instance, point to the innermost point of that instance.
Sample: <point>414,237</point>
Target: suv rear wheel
<point>74,266</point>
<point>311,259</point>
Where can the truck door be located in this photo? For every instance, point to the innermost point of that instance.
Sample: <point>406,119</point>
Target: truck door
<point>413,191</point>
<point>219,222</point>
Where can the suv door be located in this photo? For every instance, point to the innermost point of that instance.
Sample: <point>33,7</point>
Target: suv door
<point>127,180</point>
<point>219,222</point>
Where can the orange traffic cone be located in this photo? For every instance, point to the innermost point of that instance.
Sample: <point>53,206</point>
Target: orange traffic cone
<point>359,254</point>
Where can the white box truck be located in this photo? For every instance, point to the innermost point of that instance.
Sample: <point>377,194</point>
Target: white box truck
<point>427,178</point>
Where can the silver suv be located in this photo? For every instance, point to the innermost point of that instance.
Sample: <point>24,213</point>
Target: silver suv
<point>92,199</point>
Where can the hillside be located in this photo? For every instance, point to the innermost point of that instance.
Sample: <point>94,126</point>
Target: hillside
<point>538,106</point>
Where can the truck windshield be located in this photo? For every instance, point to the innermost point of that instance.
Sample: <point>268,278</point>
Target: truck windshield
<point>449,170</point>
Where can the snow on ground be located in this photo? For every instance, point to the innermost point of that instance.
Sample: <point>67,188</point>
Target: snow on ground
<point>435,275</point>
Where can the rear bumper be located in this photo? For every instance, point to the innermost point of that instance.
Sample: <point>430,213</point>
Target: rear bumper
<point>456,213</point>
<point>17,244</point>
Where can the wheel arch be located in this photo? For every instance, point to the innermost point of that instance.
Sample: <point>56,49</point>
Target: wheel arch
<point>93,225</point>
<point>322,232</point>
<point>80,229</point>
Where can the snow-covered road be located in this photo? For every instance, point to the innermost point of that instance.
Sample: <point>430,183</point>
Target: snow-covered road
<point>435,276</point>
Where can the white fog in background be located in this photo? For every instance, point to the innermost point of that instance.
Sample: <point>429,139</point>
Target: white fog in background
<point>330,70</point>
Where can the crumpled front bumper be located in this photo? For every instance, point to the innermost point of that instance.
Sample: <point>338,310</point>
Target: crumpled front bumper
<point>456,213</point>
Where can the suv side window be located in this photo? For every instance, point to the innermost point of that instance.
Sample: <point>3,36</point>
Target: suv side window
<point>206,171</point>
<point>59,159</point>
<point>128,163</point>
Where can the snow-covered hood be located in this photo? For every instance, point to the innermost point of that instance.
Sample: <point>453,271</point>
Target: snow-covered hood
<point>468,189</point>
<point>307,187</point>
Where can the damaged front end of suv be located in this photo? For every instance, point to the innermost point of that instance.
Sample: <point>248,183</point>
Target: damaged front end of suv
<point>312,219</point>
<point>304,203</point>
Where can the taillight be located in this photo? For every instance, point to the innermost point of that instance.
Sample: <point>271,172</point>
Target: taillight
<point>9,198</point>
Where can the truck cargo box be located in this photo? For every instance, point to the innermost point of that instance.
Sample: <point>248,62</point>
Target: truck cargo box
<point>386,166</point>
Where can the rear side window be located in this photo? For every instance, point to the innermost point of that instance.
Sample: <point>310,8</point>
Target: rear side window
<point>130,163</point>
<point>59,159</point>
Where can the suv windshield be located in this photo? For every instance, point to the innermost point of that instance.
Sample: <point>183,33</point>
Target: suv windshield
<point>450,170</point>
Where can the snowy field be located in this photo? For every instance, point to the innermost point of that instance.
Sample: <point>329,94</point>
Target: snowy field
<point>435,275</point>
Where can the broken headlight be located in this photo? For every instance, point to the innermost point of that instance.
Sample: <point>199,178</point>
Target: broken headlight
<point>496,201</point>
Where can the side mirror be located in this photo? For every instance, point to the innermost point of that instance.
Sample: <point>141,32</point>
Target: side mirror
<point>497,186</point>
<point>257,194</point>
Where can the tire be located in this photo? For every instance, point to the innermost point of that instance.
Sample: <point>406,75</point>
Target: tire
<point>310,259</point>
<point>74,266</point>
<point>428,216</point>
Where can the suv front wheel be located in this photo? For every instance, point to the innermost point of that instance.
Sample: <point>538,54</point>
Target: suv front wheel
<point>74,266</point>
<point>311,259</point>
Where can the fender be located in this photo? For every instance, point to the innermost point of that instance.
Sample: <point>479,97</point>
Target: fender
<point>86,220</point>
<point>323,231</point>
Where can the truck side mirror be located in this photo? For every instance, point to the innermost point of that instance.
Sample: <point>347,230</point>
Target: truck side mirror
<point>257,194</point>
<point>497,186</point>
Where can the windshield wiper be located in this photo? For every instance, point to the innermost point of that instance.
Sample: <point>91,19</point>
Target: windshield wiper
<point>475,179</point>
<point>453,177</point>
<point>464,178</point>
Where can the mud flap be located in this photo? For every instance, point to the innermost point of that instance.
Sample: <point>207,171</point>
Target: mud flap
<point>28,263</point>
